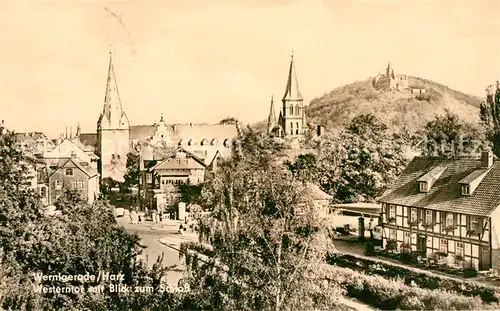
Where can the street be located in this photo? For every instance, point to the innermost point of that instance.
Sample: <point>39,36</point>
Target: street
<point>150,235</point>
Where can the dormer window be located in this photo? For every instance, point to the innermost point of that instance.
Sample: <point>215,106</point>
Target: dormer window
<point>465,190</point>
<point>69,172</point>
<point>423,186</point>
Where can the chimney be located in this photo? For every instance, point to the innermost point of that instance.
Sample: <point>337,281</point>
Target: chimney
<point>486,159</point>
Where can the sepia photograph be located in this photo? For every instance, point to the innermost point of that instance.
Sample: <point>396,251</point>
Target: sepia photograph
<point>250,155</point>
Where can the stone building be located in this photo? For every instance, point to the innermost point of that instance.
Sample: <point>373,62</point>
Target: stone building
<point>292,117</point>
<point>116,137</point>
<point>391,81</point>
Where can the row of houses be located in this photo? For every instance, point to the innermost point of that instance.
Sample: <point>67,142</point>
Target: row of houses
<point>56,166</point>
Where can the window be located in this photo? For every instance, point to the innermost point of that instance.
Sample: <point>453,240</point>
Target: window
<point>80,184</point>
<point>465,190</point>
<point>474,223</point>
<point>73,184</point>
<point>68,172</point>
<point>459,249</point>
<point>392,211</point>
<point>73,154</point>
<point>413,216</point>
<point>423,187</point>
<point>428,217</point>
<point>149,178</point>
<point>407,238</point>
<point>443,246</point>
<point>297,129</point>
<point>291,110</point>
<point>392,234</point>
<point>42,192</point>
<point>58,184</point>
<point>449,220</point>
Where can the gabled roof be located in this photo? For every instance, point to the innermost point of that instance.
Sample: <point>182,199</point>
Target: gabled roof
<point>190,162</point>
<point>473,176</point>
<point>316,193</point>
<point>63,163</point>
<point>186,132</point>
<point>446,194</point>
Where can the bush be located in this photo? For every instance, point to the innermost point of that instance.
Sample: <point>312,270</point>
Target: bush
<point>369,249</point>
<point>409,257</point>
<point>390,294</point>
<point>470,272</point>
<point>423,279</point>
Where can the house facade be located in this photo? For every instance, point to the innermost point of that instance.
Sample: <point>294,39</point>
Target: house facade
<point>446,209</point>
<point>160,179</point>
<point>72,174</point>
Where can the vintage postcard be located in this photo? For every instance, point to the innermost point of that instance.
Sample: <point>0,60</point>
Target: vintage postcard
<point>250,155</point>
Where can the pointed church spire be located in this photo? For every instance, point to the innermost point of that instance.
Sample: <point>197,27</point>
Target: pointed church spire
<point>71,132</point>
<point>66,136</point>
<point>112,102</point>
<point>292,91</point>
<point>78,130</point>
<point>271,120</point>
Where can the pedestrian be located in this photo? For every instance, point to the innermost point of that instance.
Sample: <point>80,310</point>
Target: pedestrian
<point>370,228</point>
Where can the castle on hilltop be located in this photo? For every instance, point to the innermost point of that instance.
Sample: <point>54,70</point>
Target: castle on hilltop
<point>391,81</point>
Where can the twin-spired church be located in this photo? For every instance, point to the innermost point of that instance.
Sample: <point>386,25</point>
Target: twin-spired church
<point>116,137</point>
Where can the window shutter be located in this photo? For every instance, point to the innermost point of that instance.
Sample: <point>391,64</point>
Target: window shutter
<point>480,222</point>
<point>434,217</point>
<point>455,219</point>
<point>419,215</point>
<point>408,214</point>
<point>467,220</point>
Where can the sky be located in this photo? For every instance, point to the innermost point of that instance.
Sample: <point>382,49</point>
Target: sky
<point>202,61</point>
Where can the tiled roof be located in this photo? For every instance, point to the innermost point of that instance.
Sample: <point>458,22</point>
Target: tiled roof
<point>473,176</point>
<point>446,193</point>
<point>62,162</point>
<point>186,132</point>
<point>176,163</point>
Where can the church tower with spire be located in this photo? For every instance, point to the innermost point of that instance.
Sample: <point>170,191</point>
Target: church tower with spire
<point>113,131</point>
<point>271,119</point>
<point>292,118</point>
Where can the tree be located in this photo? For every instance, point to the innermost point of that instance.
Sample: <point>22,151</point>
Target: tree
<point>448,136</point>
<point>358,164</point>
<point>229,121</point>
<point>490,116</point>
<point>262,253</point>
<point>79,239</point>
<point>107,184</point>
<point>305,168</point>
<point>190,193</point>
<point>133,173</point>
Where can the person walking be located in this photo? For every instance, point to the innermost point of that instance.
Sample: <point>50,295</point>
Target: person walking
<point>370,228</point>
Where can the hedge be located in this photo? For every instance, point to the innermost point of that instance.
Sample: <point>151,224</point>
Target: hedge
<point>387,294</point>
<point>408,275</point>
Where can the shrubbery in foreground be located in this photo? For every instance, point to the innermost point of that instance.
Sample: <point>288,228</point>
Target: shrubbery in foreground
<point>394,294</point>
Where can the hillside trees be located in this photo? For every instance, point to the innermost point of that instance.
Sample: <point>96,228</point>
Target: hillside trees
<point>358,164</point>
<point>490,116</point>
<point>449,136</point>
<point>263,254</point>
